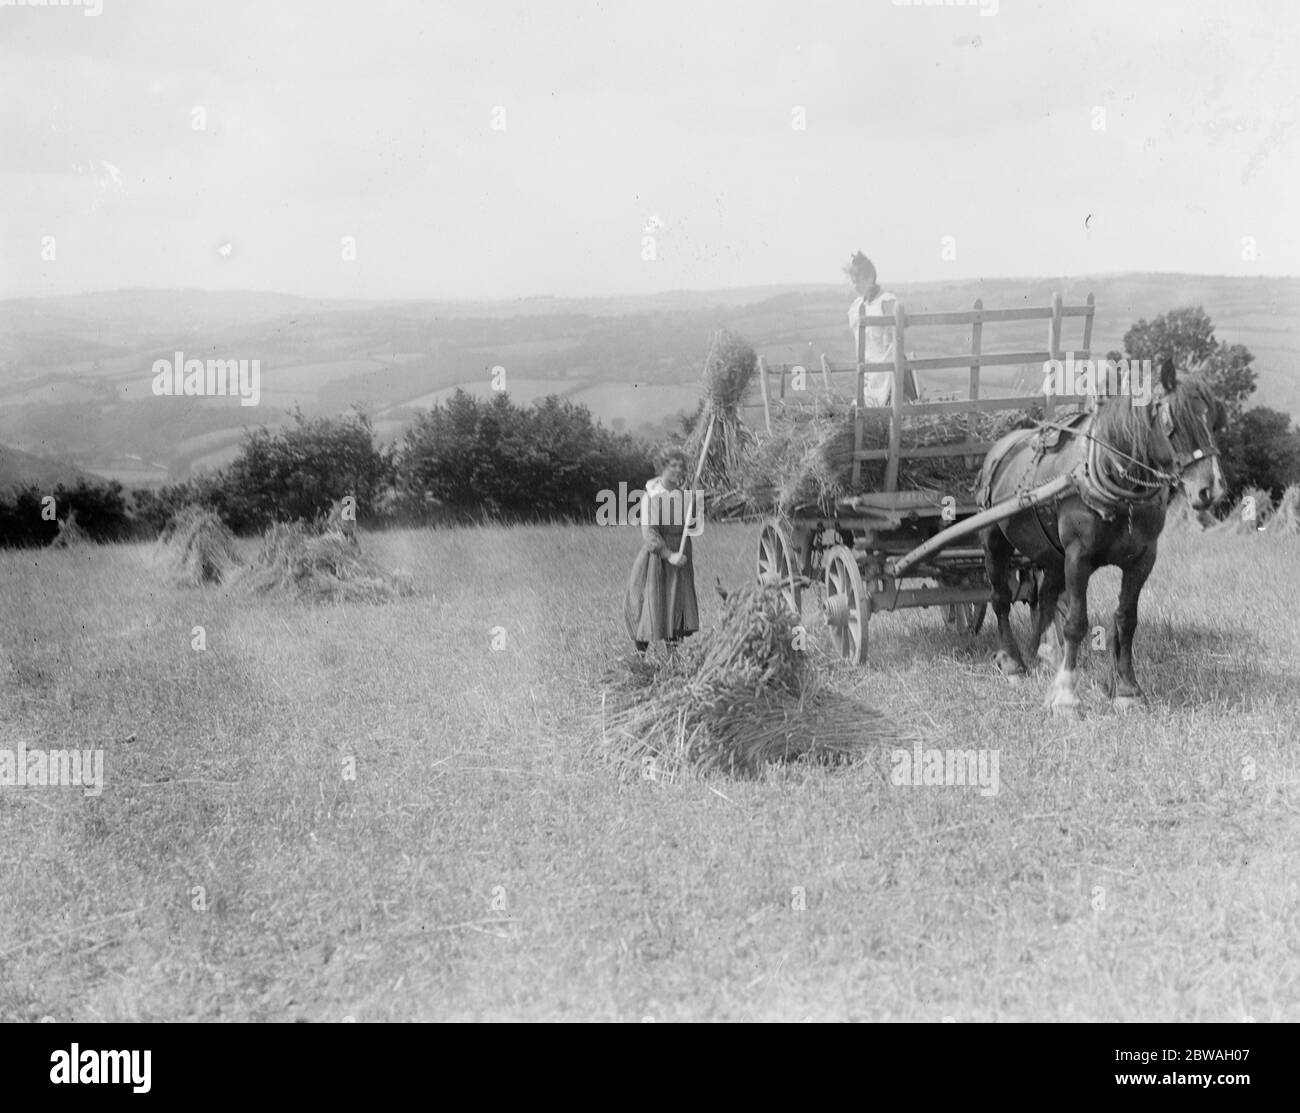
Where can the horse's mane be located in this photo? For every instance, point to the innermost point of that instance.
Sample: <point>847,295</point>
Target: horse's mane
<point>1119,423</point>
<point>1182,405</point>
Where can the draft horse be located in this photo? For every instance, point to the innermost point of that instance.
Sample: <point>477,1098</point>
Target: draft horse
<point>1124,459</point>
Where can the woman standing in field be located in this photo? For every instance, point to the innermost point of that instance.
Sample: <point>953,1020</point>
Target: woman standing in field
<point>660,604</point>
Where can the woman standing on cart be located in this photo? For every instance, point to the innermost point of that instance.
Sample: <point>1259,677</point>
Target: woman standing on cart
<point>879,386</point>
<point>660,604</point>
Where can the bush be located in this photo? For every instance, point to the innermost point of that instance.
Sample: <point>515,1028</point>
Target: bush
<point>283,475</point>
<point>99,507</point>
<point>295,474</point>
<point>1262,449</point>
<point>463,459</point>
<point>549,460</point>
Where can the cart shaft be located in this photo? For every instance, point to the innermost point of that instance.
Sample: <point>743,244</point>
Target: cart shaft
<point>1008,508</point>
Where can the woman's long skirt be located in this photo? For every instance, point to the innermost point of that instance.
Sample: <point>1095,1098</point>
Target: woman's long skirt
<point>660,604</point>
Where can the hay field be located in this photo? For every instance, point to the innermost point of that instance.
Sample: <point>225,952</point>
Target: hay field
<point>484,863</point>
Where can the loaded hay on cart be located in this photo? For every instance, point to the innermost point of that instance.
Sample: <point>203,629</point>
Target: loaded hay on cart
<point>809,455</point>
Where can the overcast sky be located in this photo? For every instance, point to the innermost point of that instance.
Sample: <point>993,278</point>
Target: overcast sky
<point>374,120</point>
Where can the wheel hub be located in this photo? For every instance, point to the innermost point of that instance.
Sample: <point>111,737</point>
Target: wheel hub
<point>837,611</point>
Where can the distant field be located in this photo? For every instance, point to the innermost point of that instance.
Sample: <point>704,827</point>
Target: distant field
<point>484,862</point>
<point>306,378</point>
<point>217,458</point>
<point>217,439</point>
<point>631,360</point>
<point>635,403</point>
<point>529,349</point>
<point>48,394</point>
<point>396,357</point>
<point>134,477</point>
<point>521,391</point>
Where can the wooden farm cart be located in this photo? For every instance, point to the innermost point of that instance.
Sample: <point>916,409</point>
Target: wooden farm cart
<point>890,548</point>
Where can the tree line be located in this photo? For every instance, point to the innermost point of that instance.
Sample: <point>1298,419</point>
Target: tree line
<point>470,459</point>
<point>465,459</point>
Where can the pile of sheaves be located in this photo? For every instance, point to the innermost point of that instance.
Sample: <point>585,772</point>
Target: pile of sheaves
<point>739,696</point>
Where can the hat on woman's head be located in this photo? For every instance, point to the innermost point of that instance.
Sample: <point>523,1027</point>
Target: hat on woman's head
<point>861,267</point>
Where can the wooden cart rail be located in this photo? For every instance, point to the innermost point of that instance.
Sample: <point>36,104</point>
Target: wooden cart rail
<point>976,359</point>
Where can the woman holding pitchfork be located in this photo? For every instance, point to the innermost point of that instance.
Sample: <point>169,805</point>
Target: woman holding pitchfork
<point>660,604</point>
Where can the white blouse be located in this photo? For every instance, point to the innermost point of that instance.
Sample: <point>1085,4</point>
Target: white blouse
<point>878,387</point>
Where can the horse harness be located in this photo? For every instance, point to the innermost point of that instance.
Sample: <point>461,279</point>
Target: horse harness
<point>1047,439</point>
<point>1099,492</point>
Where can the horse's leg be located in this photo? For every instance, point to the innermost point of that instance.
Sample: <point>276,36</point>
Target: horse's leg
<point>1125,690</point>
<point>997,562</point>
<point>1049,591</point>
<point>1061,697</point>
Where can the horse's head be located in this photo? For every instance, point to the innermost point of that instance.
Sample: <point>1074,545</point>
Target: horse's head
<point>1198,417</point>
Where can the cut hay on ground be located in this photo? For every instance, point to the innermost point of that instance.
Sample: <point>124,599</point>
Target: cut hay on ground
<point>1286,518</point>
<point>296,561</point>
<point>742,695</point>
<point>70,534</point>
<point>1250,512</point>
<point>196,548</point>
<point>808,456</point>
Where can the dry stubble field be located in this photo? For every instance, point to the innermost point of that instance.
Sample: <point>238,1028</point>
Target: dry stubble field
<point>485,863</point>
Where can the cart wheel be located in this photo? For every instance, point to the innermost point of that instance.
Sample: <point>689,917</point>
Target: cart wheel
<point>776,565</point>
<point>848,606</point>
<point>967,617</point>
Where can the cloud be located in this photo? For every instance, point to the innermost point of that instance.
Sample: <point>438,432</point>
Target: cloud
<point>319,121</point>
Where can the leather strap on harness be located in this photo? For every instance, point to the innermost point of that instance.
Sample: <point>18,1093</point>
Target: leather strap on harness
<point>1050,507</point>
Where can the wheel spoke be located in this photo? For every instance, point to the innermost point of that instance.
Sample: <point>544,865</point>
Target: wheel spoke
<point>848,605</point>
<point>775,564</point>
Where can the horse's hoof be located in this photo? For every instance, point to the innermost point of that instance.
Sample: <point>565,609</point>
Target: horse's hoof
<point>1127,703</point>
<point>1062,702</point>
<point>1008,665</point>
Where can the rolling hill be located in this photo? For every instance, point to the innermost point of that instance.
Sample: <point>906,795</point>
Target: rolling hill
<point>18,469</point>
<point>75,372</point>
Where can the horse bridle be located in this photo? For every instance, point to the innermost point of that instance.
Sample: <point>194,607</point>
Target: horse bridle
<point>1184,460</point>
<point>1101,453</point>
